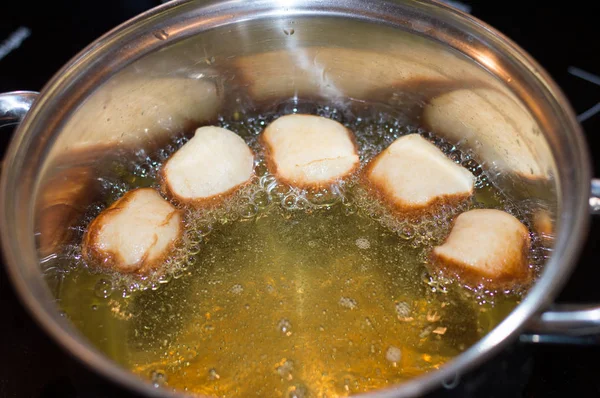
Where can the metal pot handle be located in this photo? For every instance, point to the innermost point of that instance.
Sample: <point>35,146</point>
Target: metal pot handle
<point>595,197</point>
<point>565,323</point>
<point>14,105</point>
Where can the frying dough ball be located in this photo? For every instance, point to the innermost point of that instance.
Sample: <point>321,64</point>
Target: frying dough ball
<point>309,151</point>
<point>414,176</point>
<point>214,162</point>
<point>135,234</point>
<point>485,247</point>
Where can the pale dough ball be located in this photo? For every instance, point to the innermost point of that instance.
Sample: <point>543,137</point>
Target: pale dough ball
<point>413,175</point>
<point>310,151</point>
<point>486,247</point>
<point>133,235</point>
<point>214,162</point>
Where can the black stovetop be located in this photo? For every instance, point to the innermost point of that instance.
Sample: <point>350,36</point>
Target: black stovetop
<point>563,39</point>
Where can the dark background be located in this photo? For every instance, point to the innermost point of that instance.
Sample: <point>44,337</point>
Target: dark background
<point>561,38</point>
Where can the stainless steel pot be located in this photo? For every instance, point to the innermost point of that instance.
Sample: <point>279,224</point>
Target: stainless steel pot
<point>181,64</point>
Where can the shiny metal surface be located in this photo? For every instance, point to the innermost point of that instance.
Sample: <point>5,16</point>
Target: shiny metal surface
<point>14,106</point>
<point>595,197</point>
<point>565,319</point>
<point>420,58</point>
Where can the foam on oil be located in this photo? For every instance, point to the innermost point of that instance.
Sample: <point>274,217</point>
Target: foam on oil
<point>283,292</point>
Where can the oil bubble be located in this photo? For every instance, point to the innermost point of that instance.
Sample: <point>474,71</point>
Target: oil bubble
<point>285,368</point>
<point>249,211</point>
<point>348,303</point>
<point>213,374</point>
<point>165,278</point>
<point>261,199</point>
<point>403,309</point>
<point>278,191</point>
<point>288,202</point>
<point>237,289</point>
<point>158,377</point>
<point>103,288</point>
<point>363,243</point>
<point>298,391</point>
<point>393,354</point>
<point>260,169</point>
<point>285,326</point>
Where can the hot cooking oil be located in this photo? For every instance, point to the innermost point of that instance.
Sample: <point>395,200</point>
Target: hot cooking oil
<point>286,293</point>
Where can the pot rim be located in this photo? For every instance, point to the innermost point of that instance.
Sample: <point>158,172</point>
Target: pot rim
<point>572,227</point>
